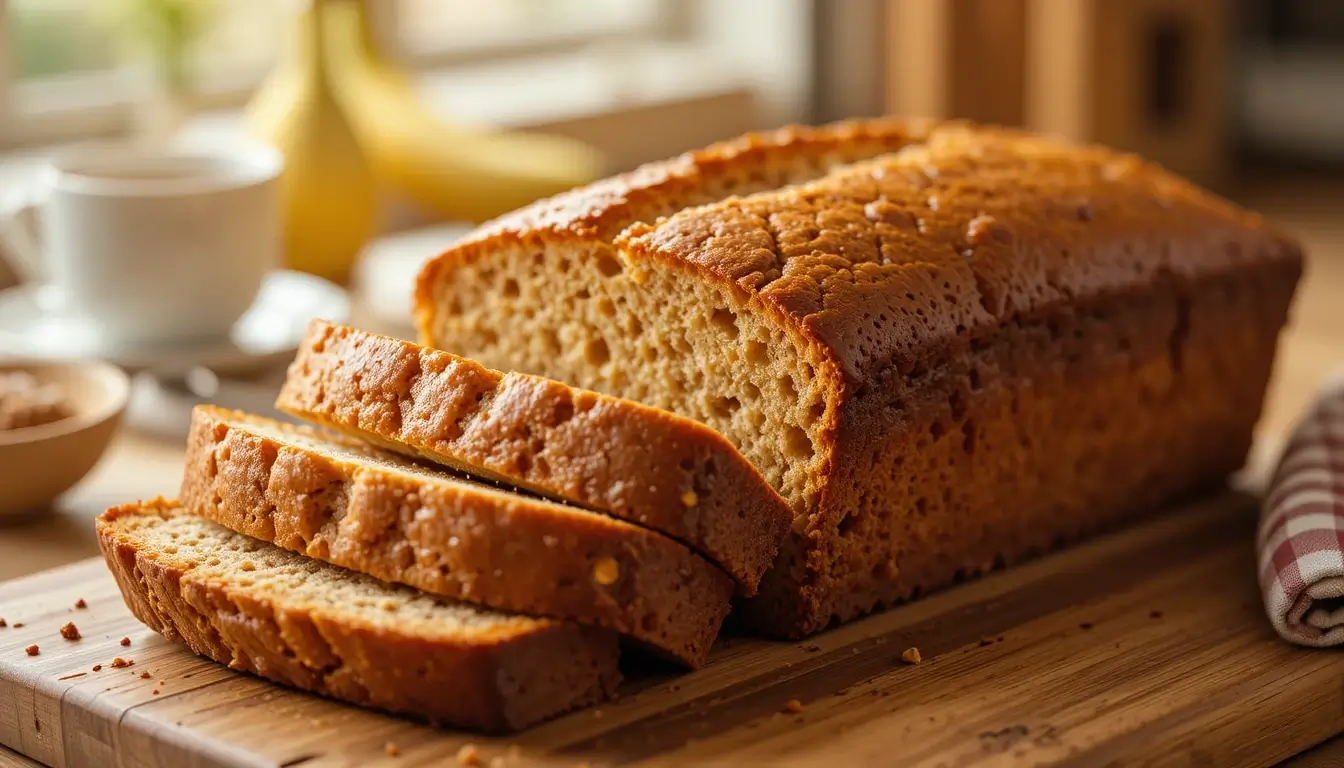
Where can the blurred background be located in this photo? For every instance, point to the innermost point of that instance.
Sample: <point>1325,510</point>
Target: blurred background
<point>1229,92</point>
<point>1234,93</point>
<point>417,118</point>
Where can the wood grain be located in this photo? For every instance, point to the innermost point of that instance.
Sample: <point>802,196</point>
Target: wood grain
<point>1146,646</point>
<point>12,759</point>
<point>1327,755</point>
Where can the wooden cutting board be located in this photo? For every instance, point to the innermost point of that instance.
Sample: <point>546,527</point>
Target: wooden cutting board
<point>1146,646</point>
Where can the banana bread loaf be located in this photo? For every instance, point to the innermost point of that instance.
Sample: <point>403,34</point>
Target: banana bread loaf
<point>973,346</point>
<point>301,622</point>
<point>633,462</point>
<point>338,500</point>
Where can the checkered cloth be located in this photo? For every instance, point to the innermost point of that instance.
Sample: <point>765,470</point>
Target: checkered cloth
<point>1301,537</point>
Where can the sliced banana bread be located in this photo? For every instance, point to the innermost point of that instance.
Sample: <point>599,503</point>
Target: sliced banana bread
<point>974,348</point>
<point>305,623</point>
<point>339,500</point>
<point>637,463</point>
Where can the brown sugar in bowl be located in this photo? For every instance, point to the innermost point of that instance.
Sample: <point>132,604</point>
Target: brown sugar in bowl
<point>39,463</point>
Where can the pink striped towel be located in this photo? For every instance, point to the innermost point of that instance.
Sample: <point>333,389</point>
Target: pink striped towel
<point>1301,537</point>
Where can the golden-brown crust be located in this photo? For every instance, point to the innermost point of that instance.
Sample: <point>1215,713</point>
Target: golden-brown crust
<point>503,684</point>
<point>900,264</point>
<point>451,537</point>
<point>1055,429</point>
<point>894,274</point>
<point>641,464</point>
<point>879,262</point>
<point>599,211</point>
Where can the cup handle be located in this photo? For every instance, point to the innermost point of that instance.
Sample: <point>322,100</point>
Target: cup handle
<point>19,235</point>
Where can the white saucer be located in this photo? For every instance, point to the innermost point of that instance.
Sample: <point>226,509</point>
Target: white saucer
<point>33,327</point>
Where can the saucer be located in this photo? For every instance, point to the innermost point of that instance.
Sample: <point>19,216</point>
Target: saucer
<point>33,326</point>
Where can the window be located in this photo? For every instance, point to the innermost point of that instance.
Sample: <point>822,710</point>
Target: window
<point>49,40</point>
<point>68,68</point>
<point>429,29</point>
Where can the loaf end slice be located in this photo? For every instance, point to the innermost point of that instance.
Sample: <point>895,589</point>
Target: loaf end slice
<point>320,628</point>
<point>339,500</point>
<point>637,463</point>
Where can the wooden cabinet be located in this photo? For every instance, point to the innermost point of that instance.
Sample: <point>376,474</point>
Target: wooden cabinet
<point>957,58</point>
<point>1150,76</point>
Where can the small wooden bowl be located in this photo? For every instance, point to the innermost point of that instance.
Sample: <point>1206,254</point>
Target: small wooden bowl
<point>38,464</point>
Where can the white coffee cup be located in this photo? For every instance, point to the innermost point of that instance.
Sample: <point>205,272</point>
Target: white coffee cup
<point>151,246</point>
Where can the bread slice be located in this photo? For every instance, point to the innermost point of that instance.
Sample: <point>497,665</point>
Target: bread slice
<point>976,347</point>
<point>311,625</point>
<point>339,500</point>
<point>627,460</point>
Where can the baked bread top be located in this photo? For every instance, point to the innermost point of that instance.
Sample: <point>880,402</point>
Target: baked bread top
<point>881,260</point>
<point>832,242</point>
<point>752,163</point>
<point>640,464</point>
<point>749,163</point>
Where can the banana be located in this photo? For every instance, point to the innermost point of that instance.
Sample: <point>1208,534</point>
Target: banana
<point>328,189</point>
<point>450,171</point>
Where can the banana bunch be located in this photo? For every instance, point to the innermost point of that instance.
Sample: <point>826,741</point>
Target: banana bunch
<point>453,172</point>
<point>349,122</point>
<point>327,191</point>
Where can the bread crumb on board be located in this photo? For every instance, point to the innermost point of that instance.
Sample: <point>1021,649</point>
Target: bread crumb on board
<point>911,656</point>
<point>97,667</point>
<point>120,663</point>
<point>70,631</point>
<point>468,755</point>
<point>793,706</point>
<point>32,650</point>
<point>80,604</point>
<point>18,625</point>
<point>391,749</point>
<point>3,624</point>
<point>125,642</point>
<point>145,675</point>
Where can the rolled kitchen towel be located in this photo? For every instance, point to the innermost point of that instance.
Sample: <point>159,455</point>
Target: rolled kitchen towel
<point>1301,536</point>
